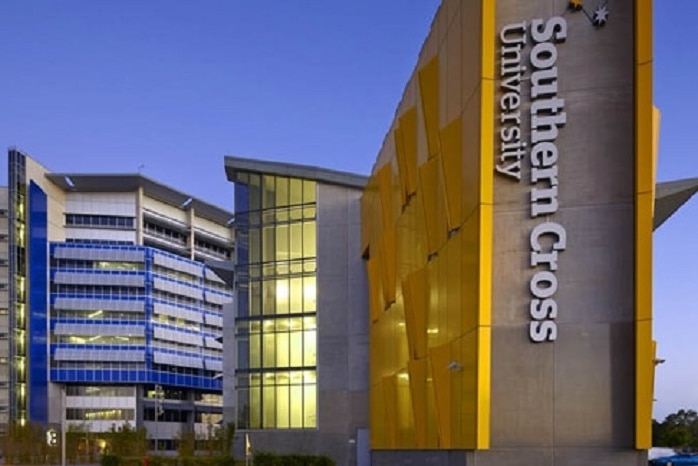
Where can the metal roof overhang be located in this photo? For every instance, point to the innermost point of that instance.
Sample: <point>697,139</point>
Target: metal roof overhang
<point>670,196</point>
<point>236,165</point>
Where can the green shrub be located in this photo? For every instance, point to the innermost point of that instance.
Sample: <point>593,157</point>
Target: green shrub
<point>110,460</point>
<point>271,459</point>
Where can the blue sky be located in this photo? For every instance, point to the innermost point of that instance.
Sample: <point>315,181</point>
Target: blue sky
<point>109,86</point>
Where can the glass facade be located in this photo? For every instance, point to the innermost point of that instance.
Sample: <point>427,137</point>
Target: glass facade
<point>134,314</point>
<point>276,309</point>
<point>17,295</point>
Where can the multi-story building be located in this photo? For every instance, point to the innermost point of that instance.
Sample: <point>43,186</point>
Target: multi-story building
<point>298,381</point>
<point>507,232</point>
<point>108,298</point>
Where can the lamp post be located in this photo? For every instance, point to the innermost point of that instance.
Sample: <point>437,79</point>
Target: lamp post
<point>159,393</point>
<point>63,425</point>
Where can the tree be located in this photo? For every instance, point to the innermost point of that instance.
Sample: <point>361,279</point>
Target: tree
<point>678,430</point>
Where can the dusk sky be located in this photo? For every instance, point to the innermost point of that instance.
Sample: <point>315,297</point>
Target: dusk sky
<point>110,86</point>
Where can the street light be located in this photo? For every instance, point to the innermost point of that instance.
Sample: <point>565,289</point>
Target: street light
<point>159,394</point>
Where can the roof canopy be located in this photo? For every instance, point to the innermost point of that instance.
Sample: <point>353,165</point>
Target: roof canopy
<point>671,195</point>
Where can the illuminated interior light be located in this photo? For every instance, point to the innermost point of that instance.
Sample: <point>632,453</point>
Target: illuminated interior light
<point>309,290</point>
<point>95,314</point>
<point>282,291</point>
<point>432,331</point>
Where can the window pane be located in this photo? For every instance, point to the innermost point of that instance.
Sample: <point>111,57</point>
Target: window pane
<point>255,298</point>
<point>296,402</point>
<point>268,244</point>
<point>268,196</point>
<point>255,360</point>
<point>255,247</point>
<point>296,295</point>
<point>255,408</point>
<point>308,191</point>
<point>296,245</point>
<point>309,294</point>
<point>255,192</point>
<point>282,340</point>
<point>296,191</point>
<point>282,296</point>
<point>309,416</point>
<point>281,191</point>
<point>282,253</point>
<point>269,296</point>
<point>309,348</point>
<point>296,349</point>
<point>309,249</point>
<point>269,350</point>
<point>282,407</point>
<point>269,407</point>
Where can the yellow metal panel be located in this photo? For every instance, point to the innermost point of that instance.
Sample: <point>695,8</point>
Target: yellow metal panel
<point>485,264</point>
<point>388,265</point>
<point>464,375</point>
<point>644,129</point>
<point>415,298</point>
<point>374,289</point>
<point>429,93</point>
<point>643,31</point>
<point>451,150</point>
<point>487,142</point>
<point>401,163</point>
<point>408,127</point>
<point>435,337</point>
<point>378,416</point>
<point>643,256</point>
<point>471,49</point>
<point>488,38</point>
<point>405,415</point>
<point>656,122</point>
<point>440,357</point>
<point>471,156</point>
<point>451,282</point>
<point>484,387</point>
<point>430,190</point>
<point>644,368</point>
<point>418,383</point>
<point>384,188</point>
<point>469,283</point>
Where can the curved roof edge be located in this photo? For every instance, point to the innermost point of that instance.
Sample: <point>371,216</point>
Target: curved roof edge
<point>234,165</point>
<point>670,196</point>
<point>125,182</point>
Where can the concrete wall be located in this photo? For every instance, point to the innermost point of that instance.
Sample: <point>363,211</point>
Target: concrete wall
<point>571,401</point>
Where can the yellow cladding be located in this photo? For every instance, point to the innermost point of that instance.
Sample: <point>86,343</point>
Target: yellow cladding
<point>401,163</point>
<point>427,212</point>
<point>405,136</point>
<point>429,93</point>
<point>431,192</point>
<point>645,153</point>
<point>414,291</point>
<point>418,371</point>
<point>451,150</point>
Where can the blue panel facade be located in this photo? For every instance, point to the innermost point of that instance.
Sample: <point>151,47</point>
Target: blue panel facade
<point>38,308</point>
<point>183,290</point>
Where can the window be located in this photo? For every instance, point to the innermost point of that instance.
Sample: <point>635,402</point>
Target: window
<point>277,340</point>
<point>100,221</point>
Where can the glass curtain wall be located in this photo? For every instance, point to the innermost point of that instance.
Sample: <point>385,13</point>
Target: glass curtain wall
<point>276,321</point>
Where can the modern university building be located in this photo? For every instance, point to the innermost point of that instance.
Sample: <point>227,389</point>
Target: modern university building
<point>109,314</point>
<point>506,236</point>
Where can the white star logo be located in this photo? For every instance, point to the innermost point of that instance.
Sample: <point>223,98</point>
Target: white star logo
<point>601,15</point>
